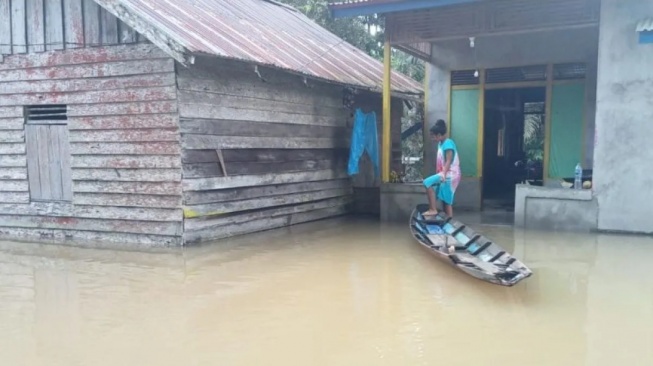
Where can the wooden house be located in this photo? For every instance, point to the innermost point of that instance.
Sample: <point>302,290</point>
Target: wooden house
<point>166,122</point>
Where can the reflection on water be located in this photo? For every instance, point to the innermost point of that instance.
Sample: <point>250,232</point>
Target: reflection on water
<point>342,292</point>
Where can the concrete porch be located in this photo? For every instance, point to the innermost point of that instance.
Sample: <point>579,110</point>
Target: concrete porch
<point>537,208</point>
<point>397,200</point>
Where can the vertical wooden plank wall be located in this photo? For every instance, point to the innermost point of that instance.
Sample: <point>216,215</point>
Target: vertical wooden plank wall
<point>92,23</point>
<point>54,29</point>
<point>124,142</point>
<point>73,21</point>
<point>5,28</point>
<point>33,26</point>
<point>18,34</point>
<point>284,146</point>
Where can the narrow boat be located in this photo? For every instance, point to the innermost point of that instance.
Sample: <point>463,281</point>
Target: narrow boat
<point>462,247</point>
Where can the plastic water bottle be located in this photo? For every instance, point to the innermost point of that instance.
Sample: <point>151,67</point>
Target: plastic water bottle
<point>578,175</point>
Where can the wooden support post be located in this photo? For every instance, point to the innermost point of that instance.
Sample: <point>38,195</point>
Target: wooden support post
<point>481,133</point>
<point>481,125</point>
<point>547,121</point>
<point>387,117</point>
<point>425,126</point>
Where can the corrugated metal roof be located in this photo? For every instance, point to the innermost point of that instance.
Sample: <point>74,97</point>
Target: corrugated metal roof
<point>645,25</point>
<point>266,33</point>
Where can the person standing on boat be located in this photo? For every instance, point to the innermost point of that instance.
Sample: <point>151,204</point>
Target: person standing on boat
<point>447,177</point>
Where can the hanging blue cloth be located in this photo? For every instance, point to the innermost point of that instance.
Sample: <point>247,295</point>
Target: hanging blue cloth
<point>364,137</point>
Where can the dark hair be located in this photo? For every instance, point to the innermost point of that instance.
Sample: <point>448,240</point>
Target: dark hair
<point>439,128</point>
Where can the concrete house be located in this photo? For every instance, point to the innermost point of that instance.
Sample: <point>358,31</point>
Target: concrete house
<point>163,122</point>
<point>530,89</point>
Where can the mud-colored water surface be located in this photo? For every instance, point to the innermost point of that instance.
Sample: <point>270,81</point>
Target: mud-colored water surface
<point>341,292</point>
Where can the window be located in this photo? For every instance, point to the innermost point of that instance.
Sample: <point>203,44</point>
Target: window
<point>464,77</point>
<point>48,153</point>
<point>515,74</point>
<point>569,71</point>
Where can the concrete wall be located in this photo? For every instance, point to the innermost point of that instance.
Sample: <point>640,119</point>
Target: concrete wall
<point>571,45</point>
<point>555,209</point>
<point>399,200</point>
<point>576,45</point>
<point>437,107</point>
<point>624,118</point>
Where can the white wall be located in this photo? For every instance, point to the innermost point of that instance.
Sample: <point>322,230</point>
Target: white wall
<point>623,180</point>
<point>571,45</point>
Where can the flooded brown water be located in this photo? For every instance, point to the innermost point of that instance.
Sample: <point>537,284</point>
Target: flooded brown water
<point>342,292</point>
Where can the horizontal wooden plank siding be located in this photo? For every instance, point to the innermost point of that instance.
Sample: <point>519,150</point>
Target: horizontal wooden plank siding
<point>14,197</point>
<point>199,142</point>
<point>127,175</point>
<point>205,170</point>
<point>13,173</point>
<point>98,70</point>
<point>72,211</point>
<point>84,237</point>
<point>236,194</point>
<point>258,155</point>
<point>200,230</point>
<point>123,135</point>
<point>80,85</point>
<point>36,26</point>
<point>125,226</point>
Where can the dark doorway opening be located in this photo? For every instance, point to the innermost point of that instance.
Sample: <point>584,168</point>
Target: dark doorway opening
<point>513,150</point>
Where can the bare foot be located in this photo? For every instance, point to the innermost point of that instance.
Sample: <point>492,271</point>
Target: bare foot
<point>430,213</point>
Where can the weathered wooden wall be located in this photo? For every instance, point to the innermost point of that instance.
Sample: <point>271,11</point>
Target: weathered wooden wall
<point>284,145</point>
<point>147,140</point>
<point>124,141</point>
<point>34,26</point>
<point>367,187</point>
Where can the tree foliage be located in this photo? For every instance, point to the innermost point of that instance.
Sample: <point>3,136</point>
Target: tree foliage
<point>364,32</point>
<point>534,137</point>
<point>356,31</point>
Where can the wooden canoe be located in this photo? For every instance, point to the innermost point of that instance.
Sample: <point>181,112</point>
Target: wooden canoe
<point>459,245</point>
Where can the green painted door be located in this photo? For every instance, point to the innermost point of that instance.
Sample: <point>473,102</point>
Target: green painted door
<point>567,125</point>
<point>464,129</point>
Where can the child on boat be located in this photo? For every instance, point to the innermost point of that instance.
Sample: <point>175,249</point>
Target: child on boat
<point>445,181</point>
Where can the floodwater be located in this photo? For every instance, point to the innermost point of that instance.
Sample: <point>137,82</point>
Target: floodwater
<point>340,292</point>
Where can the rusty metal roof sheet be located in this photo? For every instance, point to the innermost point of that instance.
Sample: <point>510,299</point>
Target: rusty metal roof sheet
<point>267,33</point>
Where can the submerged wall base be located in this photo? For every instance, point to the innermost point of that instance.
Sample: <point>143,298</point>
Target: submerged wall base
<point>562,209</point>
<point>399,199</point>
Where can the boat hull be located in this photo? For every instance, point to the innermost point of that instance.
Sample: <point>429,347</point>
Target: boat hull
<point>454,243</point>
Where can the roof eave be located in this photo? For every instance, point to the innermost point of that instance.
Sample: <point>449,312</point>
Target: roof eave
<point>159,37</point>
<point>371,7</point>
<point>164,38</point>
<point>416,95</point>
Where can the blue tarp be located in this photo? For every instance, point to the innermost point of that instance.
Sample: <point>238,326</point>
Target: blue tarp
<point>364,137</point>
